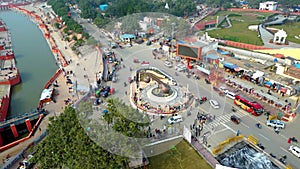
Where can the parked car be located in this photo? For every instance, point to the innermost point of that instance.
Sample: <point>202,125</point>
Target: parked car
<point>175,119</point>
<point>180,68</point>
<point>235,119</point>
<point>114,45</point>
<point>148,43</point>
<point>295,150</point>
<point>107,52</point>
<point>275,123</point>
<point>214,104</point>
<point>97,101</point>
<point>139,41</point>
<point>168,64</point>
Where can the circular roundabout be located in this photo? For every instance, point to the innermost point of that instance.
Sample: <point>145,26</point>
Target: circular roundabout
<point>156,92</point>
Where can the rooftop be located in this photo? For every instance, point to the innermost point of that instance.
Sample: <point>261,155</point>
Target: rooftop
<point>254,66</point>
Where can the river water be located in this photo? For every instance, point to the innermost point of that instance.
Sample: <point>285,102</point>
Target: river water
<point>34,60</point>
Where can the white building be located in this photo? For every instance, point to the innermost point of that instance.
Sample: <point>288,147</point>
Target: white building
<point>269,5</point>
<point>280,37</point>
<point>146,23</point>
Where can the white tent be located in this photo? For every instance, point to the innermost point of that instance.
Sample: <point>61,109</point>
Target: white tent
<point>46,94</point>
<point>257,74</point>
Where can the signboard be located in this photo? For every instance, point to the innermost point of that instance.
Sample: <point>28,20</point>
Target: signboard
<point>189,52</point>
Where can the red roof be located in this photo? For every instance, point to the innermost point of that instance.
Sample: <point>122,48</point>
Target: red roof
<point>201,25</point>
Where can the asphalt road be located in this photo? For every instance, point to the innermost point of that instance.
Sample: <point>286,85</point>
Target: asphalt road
<point>221,127</point>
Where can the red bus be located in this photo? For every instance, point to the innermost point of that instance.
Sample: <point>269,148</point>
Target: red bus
<point>249,105</point>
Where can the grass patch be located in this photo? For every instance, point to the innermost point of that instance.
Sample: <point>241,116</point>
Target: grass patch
<point>292,30</point>
<point>183,156</point>
<point>239,31</point>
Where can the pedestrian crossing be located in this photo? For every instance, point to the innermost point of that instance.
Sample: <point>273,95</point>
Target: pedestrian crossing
<point>222,119</point>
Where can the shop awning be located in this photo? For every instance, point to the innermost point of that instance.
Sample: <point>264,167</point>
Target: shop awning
<point>283,89</point>
<point>269,83</point>
<point>229,65</point>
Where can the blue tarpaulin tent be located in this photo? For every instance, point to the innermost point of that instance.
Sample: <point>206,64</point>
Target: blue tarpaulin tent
<point>211,56</point>
<point>229,65</point>
<point>103,7</point>
<point>269,83</point>
<point>297,65</point>
<point>223,52</point>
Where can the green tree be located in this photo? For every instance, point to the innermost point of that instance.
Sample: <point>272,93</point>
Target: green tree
<point>57,25</point>
<point>101,21</point>
<point>68,145</point>
<point>130,24</point>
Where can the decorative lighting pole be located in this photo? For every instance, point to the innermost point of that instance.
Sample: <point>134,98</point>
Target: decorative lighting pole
<point>173,24</point>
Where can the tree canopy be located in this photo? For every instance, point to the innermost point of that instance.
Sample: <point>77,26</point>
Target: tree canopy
<point>67,145</point>
<point>74,140</point>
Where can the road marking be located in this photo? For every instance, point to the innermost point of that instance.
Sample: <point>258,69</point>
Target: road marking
<point>245,125</point>
<point>264,137</point>
<point>284,149</point>
<point>219,131</point>
<point>228,127</point>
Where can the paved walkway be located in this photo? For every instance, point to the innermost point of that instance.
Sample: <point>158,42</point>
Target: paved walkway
<point>266,36</point>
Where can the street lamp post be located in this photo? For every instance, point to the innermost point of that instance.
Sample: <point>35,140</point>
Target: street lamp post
<point>173,24</point>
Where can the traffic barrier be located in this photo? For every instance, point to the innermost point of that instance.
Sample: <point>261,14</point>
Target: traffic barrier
<point>227,141</point>
<point>252,139</point>
<point>217,150</point>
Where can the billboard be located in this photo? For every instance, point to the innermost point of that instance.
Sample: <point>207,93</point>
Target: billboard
<point>189,52</point>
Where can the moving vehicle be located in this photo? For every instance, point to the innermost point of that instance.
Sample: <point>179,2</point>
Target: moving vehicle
<point>235,119</point>
<point>247,104</point>
<point>258,125</point>
<point>180,68</point>
<point>168,64</point>
<point>275,123</point>
<point>231,95</point>
<point>214,104</point>
<point>295,150</point>
<point>223,89</point>
<point>175,119</point>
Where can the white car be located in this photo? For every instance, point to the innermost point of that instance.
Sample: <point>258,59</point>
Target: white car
<point>175,119</point>
<point>168,64</point>
<point>295,150</point>
<point>223,89</point>
<point>180,68</point>
<point>275,123</point>
<point>214,104</point>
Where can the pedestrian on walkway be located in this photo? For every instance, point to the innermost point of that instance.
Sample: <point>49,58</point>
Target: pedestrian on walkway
<point>125,92</point>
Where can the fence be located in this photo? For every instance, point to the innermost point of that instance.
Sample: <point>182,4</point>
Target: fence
<point>221,146</point>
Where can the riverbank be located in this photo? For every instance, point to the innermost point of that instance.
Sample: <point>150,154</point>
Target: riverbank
<point>9,73</point>
<point>84,67</point>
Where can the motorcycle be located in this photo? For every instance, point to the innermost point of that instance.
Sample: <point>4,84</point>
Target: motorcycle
<point>293,139</point>
<point>233,109</point>
<point>258,125</point>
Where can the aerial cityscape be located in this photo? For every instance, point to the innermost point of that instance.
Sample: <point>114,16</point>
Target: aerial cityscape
<point>153,84</point>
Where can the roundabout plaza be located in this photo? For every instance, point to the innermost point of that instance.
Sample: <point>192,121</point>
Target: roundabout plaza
<point>157,93</point>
